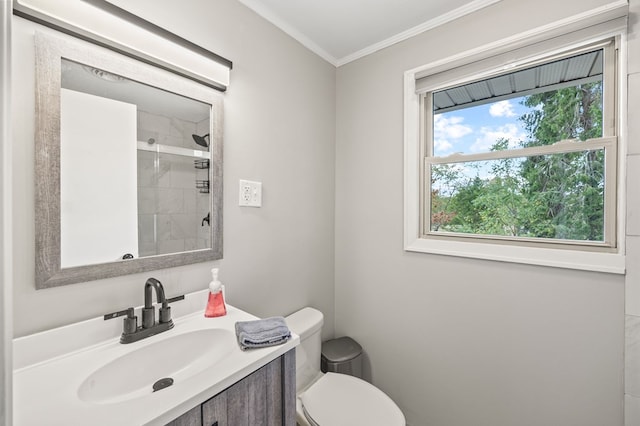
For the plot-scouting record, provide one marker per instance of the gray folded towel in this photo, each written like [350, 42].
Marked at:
[262, 333]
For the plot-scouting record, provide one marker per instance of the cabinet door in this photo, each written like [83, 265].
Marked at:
[273, 391]
[243, 404]
[288, 390]
[192, 417]
[214, 411]
[280, 390]
[247, 400]
[264, 398]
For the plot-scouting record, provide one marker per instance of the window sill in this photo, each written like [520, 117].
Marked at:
[613, 263]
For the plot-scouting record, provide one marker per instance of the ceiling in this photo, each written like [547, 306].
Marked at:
[341, 31]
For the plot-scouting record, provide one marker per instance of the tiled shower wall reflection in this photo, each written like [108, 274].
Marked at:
[632, 280]
[170, 208]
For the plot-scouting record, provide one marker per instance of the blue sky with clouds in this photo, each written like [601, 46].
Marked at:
[476, 129]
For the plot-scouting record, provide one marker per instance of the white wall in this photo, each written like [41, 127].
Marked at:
[279, 129]
[457, 341]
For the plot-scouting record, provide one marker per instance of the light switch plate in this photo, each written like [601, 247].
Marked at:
[250, 193]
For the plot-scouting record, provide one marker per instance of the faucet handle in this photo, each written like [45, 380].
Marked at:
[165, 315]
[130, 322]
[165, 312]
[117, 314]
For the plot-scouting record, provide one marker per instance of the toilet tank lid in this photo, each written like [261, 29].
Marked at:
[305, 322]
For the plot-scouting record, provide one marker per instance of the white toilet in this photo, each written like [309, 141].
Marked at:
[333, 399]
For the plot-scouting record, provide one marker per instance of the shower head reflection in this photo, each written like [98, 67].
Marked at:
[201, 140]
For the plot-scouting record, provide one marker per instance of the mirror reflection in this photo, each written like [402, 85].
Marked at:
[134, 169]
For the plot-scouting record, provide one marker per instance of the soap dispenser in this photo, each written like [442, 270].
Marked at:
[215, 305]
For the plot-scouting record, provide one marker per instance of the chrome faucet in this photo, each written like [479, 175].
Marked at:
[133, 333]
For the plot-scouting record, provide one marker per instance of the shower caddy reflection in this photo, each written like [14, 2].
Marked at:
[202, 185]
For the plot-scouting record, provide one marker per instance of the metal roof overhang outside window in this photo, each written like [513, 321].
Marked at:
[579, 69]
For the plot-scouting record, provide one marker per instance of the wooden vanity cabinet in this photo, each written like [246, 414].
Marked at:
[192, 417]
[266, 397]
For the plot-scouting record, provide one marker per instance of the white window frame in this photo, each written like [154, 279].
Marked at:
[607, 143]
[489, 60]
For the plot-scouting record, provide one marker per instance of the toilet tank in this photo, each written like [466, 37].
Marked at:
[307, 323]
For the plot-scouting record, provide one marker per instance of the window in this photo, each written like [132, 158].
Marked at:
[513, 151]
[527, 155]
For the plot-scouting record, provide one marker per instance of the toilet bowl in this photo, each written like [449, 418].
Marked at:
[333, 399]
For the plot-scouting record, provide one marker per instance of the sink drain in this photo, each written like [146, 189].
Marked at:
[162, 383]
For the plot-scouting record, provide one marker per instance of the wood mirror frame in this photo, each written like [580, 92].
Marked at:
[50, 50]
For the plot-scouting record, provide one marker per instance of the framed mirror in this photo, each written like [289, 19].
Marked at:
[128, 165]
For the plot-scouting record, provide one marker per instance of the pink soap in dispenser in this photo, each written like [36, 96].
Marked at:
[215, 305]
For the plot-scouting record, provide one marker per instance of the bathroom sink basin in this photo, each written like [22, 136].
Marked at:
[178, 357]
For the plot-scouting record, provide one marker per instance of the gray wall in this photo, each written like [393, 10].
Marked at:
[454, 341]
[279, 129]
[458, 341]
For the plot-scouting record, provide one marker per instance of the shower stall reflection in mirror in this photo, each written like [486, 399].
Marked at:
[173, 187]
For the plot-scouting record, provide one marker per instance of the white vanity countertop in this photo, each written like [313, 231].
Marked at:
[50, 367]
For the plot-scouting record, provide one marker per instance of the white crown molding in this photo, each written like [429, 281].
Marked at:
[259, 7]
[419, 29]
